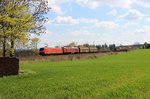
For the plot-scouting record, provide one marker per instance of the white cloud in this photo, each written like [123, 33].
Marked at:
[119, 3]
[49, 33]
[132, 15]
[140, 31]
[57, 9]
[138, 35]
[68, 20]
[147, 19]
[112, 12]
[64, 20]
[93, 4]
[82, 32]
[56, 6]
[145, 29]
[144, 3]
[85, 20]
[106, 25]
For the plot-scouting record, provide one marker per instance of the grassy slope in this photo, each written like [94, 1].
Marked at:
[124, 76]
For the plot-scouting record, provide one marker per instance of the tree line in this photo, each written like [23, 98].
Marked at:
[20, 18]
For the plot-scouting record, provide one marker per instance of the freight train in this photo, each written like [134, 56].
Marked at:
[80, 49]
[67, 50]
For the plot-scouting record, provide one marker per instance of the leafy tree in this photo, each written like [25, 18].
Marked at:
[37, 8]
[146, 45]
[34, 42]
[98, 47]
[86, 45]
[105, 45]
[20, 17]
[15, 22]
[112, 47]
[72, 44]
[22, 43]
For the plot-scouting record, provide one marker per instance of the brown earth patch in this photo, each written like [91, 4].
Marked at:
[9, 66]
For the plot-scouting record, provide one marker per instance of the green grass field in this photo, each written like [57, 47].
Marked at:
[122, 76]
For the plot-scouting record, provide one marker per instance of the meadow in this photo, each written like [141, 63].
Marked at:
[121, 76]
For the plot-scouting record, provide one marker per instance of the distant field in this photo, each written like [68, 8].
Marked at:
[122, 76]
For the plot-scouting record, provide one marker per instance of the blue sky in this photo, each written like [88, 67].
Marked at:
[97, 21]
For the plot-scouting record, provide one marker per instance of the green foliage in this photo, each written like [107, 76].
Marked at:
[22, 42]
[112, 47]
[122, 76]
[19, 18]
[146, 45]
[12, 51]
[15, 22]
[85, 45]
[34, 43]
[72, 44]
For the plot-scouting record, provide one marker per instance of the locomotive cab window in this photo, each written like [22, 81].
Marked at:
[41, 49]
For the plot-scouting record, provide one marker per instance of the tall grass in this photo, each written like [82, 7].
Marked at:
[122, 76]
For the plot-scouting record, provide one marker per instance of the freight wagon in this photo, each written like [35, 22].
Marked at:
[70, 50]
[84, 49]
[93, 50]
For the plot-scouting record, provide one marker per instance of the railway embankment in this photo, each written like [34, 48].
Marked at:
[55, 58]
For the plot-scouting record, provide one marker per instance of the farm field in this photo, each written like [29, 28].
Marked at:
[121, 76]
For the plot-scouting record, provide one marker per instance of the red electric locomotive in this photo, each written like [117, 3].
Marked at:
[47, 51]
